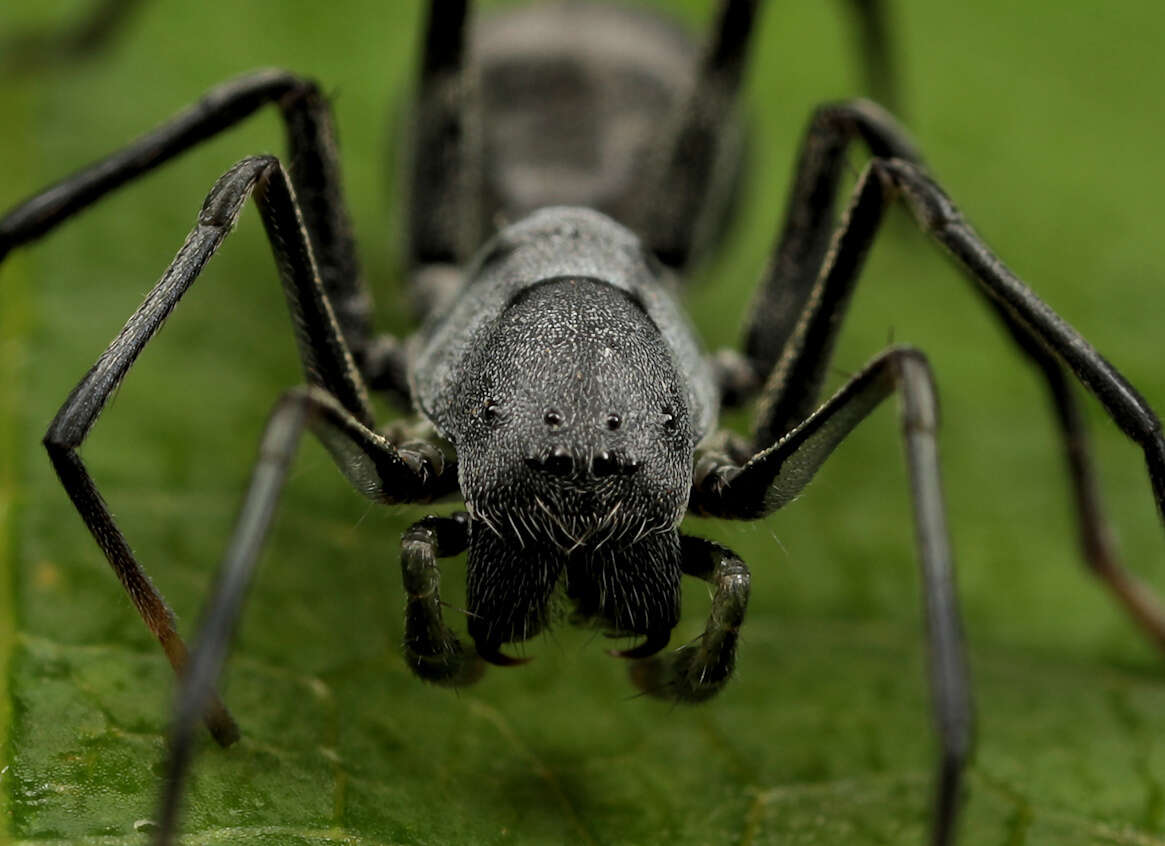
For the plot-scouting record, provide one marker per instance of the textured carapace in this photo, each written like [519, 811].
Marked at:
[571, 386]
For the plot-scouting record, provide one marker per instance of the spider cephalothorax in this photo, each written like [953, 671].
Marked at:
[570, 415]
[573, 429]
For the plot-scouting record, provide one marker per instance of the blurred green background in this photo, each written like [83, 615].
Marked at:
[1044, 122]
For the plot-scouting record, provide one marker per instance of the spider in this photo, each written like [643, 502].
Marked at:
[379, 362]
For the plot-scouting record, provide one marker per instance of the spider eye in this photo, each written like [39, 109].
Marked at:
[492, 413]
[669, 417]
[552, 417]
[614, 421]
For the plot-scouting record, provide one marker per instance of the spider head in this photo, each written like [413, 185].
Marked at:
[575, 462]
[578, 432]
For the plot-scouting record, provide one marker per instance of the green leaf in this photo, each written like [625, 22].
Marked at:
[1044, 124]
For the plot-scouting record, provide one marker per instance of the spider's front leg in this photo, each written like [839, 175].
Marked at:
[373, 464]
[803, 300]
[308, 225]
[413, 472]
[776, 475]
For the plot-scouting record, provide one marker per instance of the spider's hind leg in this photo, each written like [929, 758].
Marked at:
[25, 53]
[873, 33]
[689, 189]
[689, 184]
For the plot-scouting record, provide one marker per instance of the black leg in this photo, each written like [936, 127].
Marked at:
[325, 359]
[446, 220]
[432, 650]
[809, 223]
[872, 29]
[386, 469]
[375, 467]
[698, 671]
[780, 307]
[1042, 334]
[776, 475]
[442, 229]
[314, 167]
[678, 190]
[682, 187]
[197, 684]
[34, 52]
[1096, 541]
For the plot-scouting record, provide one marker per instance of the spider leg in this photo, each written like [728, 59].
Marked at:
[1043, 335]
[1096, 540]
[198, 682]
[29, 52]
[445, 218]
[697, 672]
[326, 362]
[377, 468]
[682, 186]
[676, 194]
[872, 29]
[809, 221]
[439, 231]
[315, 174]
[776, 475]
[431, 649]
